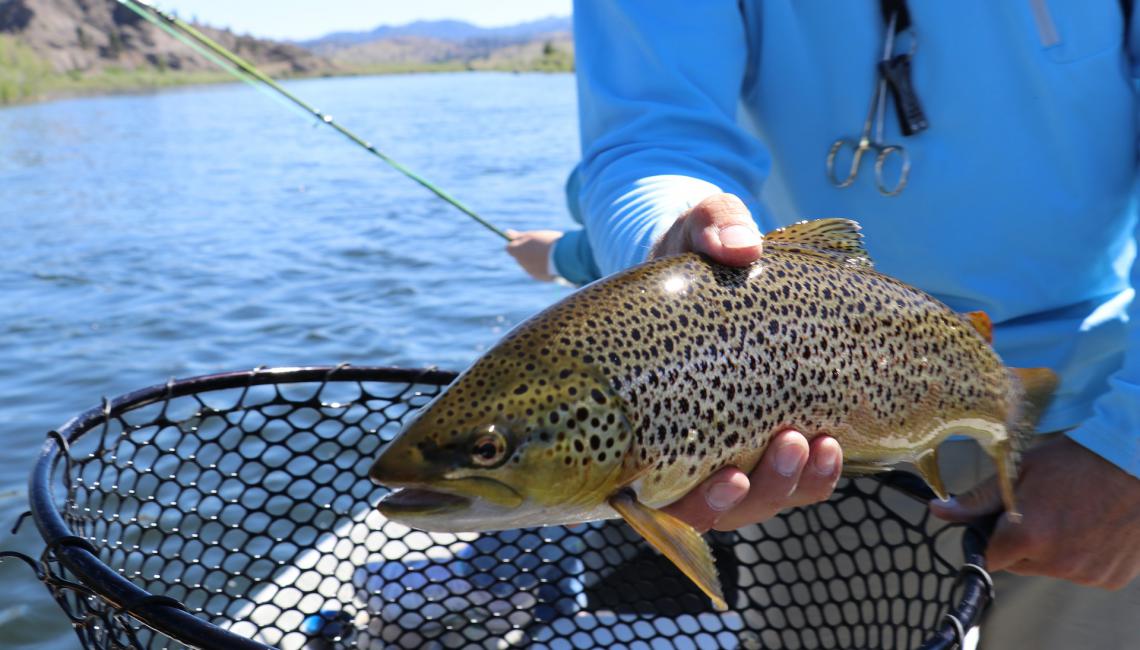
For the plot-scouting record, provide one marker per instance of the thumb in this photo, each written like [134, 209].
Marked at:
[985, 499]
[722, 227]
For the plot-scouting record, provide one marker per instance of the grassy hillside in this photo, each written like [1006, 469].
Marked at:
[55, 48]
[27, 77]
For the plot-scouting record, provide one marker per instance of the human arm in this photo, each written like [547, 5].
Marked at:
[550, 254]
[1080, 492]
[658, 87]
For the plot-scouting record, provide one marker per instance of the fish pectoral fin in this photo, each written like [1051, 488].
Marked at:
[676, 540]
[835, 238]
[981, 322]
[927, 465]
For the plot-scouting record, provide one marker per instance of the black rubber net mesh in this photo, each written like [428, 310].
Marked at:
[250, 507]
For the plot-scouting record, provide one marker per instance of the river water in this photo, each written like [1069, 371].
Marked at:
[207, 229]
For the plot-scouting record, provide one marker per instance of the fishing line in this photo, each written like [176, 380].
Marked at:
[248, 73]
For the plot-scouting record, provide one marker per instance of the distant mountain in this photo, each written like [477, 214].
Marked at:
[76, 36]
[441, 30]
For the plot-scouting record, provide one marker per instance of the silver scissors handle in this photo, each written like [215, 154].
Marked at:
[857, 149]
[885, 152]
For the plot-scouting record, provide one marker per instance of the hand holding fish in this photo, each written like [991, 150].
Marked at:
[1081, 518]
[793, 472]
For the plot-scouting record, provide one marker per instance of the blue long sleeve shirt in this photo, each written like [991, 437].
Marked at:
[1020, 199]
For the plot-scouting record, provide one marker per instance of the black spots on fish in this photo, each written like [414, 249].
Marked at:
[722, 331]
[773, 327]
[595, 442]
[578, 446]
[598, 396]
[683, 320]
[553, 417]
[698, 310]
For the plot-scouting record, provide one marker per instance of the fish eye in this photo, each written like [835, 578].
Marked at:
[489, 449]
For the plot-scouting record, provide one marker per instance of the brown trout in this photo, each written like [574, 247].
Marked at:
[624, 396]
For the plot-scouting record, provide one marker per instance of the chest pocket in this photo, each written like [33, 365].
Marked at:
[1071, 30]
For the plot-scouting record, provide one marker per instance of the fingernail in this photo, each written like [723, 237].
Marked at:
[723, 496]
[739, 236]
[949, 504]
[788, 460]
[825, 461]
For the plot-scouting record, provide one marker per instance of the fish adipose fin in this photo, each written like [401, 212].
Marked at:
[835, 238]
[980, 321]
[676, 540]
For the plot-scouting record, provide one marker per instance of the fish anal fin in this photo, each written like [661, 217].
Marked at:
[676, 540]
[1037, 387]
[834, 238]
[927, 465]
[981, 322]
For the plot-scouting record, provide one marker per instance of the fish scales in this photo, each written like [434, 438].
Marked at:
[627, 394]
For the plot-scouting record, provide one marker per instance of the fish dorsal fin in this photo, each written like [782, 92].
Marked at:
[981, 322]
[834, 238]
[1037, 387]
[676, 540]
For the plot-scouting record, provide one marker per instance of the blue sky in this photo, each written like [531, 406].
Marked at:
[301, 19]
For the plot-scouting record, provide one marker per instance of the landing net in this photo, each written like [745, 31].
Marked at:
[235, 511]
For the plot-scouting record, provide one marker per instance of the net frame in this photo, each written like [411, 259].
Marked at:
[108, 610]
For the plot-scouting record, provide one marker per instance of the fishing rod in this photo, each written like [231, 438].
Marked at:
[247, 72]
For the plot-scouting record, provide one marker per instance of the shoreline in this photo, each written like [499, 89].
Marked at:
[62, 86]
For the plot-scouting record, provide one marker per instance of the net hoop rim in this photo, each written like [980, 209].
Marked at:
[122, 594]
[167, 617]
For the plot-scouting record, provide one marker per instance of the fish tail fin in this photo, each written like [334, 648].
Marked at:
[1036, 387]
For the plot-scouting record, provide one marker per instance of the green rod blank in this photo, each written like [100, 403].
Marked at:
[247, 72]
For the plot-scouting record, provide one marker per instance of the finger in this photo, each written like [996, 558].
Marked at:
[511, 233]
[817, 482]
[773, 481]
[985, 499]
[722, 227]
[1008, 546]
[702, 507]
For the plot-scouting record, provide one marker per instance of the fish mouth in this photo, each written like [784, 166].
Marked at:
[453, 495]
[420, 501]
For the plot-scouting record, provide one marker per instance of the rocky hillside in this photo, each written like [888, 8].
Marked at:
[53, 48]
[544, 44]
[90, 36]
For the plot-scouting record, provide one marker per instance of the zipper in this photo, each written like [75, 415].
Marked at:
[1046, 28]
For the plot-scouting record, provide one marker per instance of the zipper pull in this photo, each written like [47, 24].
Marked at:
[896, 71]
